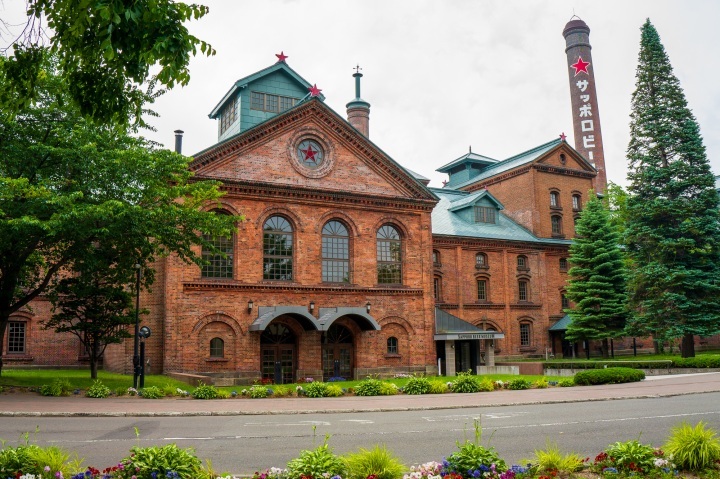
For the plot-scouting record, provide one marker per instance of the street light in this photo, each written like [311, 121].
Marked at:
[136, 347]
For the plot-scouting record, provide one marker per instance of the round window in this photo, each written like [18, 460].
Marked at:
[310, 154]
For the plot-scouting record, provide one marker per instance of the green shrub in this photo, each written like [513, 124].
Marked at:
[632, 456]
[377, 462]
[169, 390]
[388, 389]
[703, 361]
[144, 461]
[519, 383]
[541, 383]
[316, 389]
[334, 391]
[693, 448]
[438, 387]
[152, 392]
[465, 383]
[205, 391]
[471, 458]
[368, 387]
[258, 391]
[98, 390]
[32, 459]
[282, 391]
[223, 394]
[59, 387]
[317, 463]
[608, 376]
[417, 385]
[566, 383]
[551, 459]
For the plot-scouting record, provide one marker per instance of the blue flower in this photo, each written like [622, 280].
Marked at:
[610, 470]
[153, 475]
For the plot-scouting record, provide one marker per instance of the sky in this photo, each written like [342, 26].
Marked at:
[442, 76]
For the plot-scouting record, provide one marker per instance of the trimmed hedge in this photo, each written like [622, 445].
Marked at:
[608, 376]
[703, 361]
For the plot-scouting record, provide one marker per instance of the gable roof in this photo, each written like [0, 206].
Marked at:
[245, 81]
[522, 159]
[470, 157]
[446, 222]
[460, 203]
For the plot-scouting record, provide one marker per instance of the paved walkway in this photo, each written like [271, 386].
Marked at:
[31, 404]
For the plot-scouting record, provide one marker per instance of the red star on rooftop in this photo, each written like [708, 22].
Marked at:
[281, 57]
[581, 66]
[309, 154]
[563, 136]
[314, 90]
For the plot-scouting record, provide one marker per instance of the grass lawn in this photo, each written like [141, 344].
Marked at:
[80, 378]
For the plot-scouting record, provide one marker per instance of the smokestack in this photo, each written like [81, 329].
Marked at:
[358, 110]
[178, 141]
[586, 117]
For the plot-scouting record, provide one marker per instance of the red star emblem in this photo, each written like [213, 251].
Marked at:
[563, 136]
[281, 57]
[581, 66]
[309, 154]
[314, 90]
[444, 183]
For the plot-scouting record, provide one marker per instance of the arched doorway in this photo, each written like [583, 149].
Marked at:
[277, 346]
[337, 352]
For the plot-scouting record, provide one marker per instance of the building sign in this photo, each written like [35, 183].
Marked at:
[460, 336]
[587, 125]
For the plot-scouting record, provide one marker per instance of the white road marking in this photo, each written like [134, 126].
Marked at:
[359, 421]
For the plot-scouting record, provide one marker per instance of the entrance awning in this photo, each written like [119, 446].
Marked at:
[359, 315]
[562, 324]
[267, 313]
[449, 327]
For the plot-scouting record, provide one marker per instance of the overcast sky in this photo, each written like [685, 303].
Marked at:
[444, 75]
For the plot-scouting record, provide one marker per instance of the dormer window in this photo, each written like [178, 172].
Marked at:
[485, 214]
[271, 103]
[229, 115]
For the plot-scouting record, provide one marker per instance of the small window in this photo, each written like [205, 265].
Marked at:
[481, 260]
[554, 199]
[564, 301]
[523, 293]
[576, 203]
[217, 348]
[485, 214]
[556, 224]
[16, 337]
[563, 264]
[522, 263]
[392, 345]
[482, 290]
[563, 159]
[525, 334]
[437, 288]
[228, 115]
[436, 258]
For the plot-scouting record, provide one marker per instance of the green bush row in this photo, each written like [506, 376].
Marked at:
[608, 376]
[704, 361]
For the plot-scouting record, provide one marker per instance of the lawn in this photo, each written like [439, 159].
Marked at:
[80, 378]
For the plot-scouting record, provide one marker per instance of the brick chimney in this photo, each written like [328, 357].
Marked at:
[358, 110]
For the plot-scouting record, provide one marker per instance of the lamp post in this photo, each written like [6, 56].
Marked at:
[136, 346]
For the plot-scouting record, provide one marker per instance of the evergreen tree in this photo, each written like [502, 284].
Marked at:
[673, 231]
[597, 279]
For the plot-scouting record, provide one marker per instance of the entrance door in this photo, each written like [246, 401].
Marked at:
[337, 351]
[466, 356]
[277, 347]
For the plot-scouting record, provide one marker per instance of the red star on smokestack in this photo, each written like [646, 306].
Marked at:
[581, 66]
[281, 57]
[314, 90]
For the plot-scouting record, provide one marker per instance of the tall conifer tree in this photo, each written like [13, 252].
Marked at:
[597, 279]
[673, 232]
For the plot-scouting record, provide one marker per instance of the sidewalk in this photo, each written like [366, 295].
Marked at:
[31, 404]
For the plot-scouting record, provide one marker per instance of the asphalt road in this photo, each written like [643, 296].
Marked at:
[244, 444]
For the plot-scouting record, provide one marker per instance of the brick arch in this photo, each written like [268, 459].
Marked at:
[221, 205]
[488, 322]
[392, 220]
[279, 211]
[220, 317]
[526, 319]
[402, 322]
[340, 216]
[28, 315]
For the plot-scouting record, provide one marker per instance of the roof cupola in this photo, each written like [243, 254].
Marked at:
[358, 110]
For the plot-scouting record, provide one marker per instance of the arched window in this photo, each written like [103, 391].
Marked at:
[335, 253]
[525, 334]
[437, 288]
[482, 289]
[576, 202]
[389, 259]
[522, 263]
[217, 348]
[556, 224]
[481, 261]
[217, 257]
[523, 290]
[277, 249]
[563, 264]
[554, 199]
[564, 301]
[392, 345]
[436, 257]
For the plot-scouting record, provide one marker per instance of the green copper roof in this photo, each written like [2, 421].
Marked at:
[449, 219]
[561, 325]
[470, 157]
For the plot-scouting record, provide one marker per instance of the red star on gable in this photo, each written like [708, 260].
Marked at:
[314, 90]
[309, 154]
[281, 57]
[563, 136]
[581, 66]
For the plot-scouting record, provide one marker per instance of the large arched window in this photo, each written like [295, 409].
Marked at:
[217, 348]
[277, 249]
[389, 259]
[335, 253]
[217, 257]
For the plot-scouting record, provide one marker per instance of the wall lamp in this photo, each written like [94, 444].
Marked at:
[367, 307]
[312, 306]
[250, 306]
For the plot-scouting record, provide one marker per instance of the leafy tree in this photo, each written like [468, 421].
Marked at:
[106, 51]
[597, 279]
[68, 186]
[673, 230]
